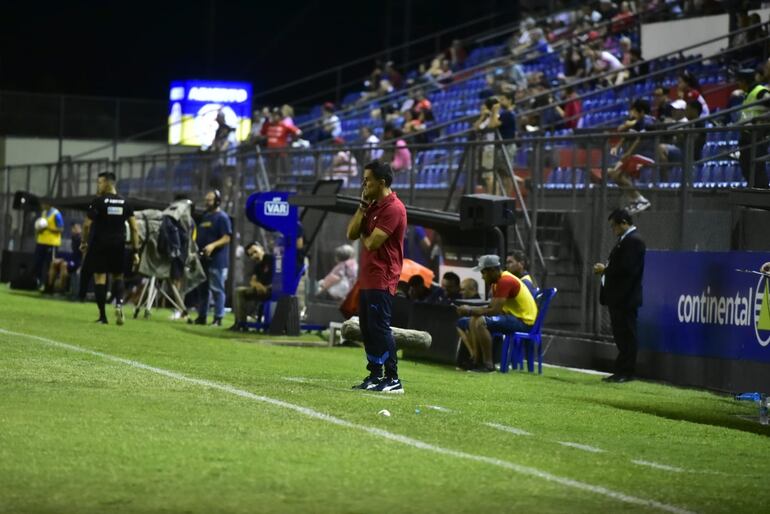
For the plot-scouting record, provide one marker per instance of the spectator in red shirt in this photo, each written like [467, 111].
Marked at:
[278, 131]
[572, 108]
[380, 224]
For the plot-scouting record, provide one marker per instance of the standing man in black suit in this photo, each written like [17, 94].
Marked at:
[621, 291]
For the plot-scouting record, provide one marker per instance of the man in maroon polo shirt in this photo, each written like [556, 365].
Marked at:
[380, 224]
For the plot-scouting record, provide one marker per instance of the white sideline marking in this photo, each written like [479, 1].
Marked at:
[402, 439]
[579, 370]
[301, 380]
[583, 447]
[657, 466]
[438, 408]
[510, 430]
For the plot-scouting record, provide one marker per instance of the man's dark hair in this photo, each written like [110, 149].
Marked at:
[636, 52]
[619, 216]
[689, 79]
[416, 281]
[107, 175]
[253, 243]
[381, 171]
[696, 106]
[453, 277]
[520, 256]
[641, 105]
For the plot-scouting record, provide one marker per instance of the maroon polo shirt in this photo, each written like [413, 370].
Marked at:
[381, 268]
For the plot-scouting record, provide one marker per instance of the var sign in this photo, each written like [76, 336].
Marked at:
[276, 207]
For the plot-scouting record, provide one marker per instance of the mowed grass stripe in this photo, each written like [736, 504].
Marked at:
[378, 432]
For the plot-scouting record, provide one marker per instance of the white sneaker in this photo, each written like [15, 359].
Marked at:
[638, 206]
[119, 319]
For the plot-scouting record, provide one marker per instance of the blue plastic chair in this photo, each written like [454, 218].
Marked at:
[512, 342]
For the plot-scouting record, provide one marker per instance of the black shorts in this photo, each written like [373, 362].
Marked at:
[107, 258]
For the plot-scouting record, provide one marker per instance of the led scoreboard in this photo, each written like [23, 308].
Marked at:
[194, 105]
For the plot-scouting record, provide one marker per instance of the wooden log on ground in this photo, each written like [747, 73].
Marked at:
[405, 338]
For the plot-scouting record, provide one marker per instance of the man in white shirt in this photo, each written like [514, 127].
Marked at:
[371, 141]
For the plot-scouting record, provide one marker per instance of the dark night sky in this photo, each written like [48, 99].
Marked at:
[134, 49]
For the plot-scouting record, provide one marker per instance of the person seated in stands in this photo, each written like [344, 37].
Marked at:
[260, 284]
[512, 309]
[516, 263]
[456, 54]
[338, 283]
[450, 283]
[61, 269]
[469, 289]
[331, 126]
[639, 154]
[401, 159]
[570, 111]
[344, 165]
[673, 152]
[419, 292]
[688, 89]
[370, 140]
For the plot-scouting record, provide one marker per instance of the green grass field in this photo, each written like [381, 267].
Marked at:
[159, 416]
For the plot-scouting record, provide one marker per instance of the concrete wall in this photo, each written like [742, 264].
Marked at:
[30, 150]
[663, 37]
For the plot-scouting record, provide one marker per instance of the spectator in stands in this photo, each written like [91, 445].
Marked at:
[331, 126]
[401, 156]
[659, 100]
[688, 89]
[224, 137]
[258, 120]
[637, 67]
[456, 54]
[414, 126]
[434, 71]
[512, 309]
[576, 66]
[344, 165]
[516, 263]
[756, 110]
[278, 134]
[607, 9]
[339, 281]
[571, 110]
[604, 62]
[62, 267]
[278, 131]
[639, 154]
[48, 231]
[419, 292]
[623, 21]
[445, 75]
[673, 153]
[370, 140]
[625, 51]
[469, 289]
[260, 284]
[287, 111]
[490, 109]
[393, 76]
[450, 283]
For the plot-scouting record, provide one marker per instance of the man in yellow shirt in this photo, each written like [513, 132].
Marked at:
[48, 239]
[512, 309]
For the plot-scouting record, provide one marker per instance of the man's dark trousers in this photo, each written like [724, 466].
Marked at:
[374, 311]
[623, 322]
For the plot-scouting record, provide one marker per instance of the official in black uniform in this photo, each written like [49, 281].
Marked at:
[105, 228]
[621, 291]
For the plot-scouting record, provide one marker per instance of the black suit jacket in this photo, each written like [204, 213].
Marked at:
[622, 287]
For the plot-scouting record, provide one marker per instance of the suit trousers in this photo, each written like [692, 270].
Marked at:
[623, 322]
